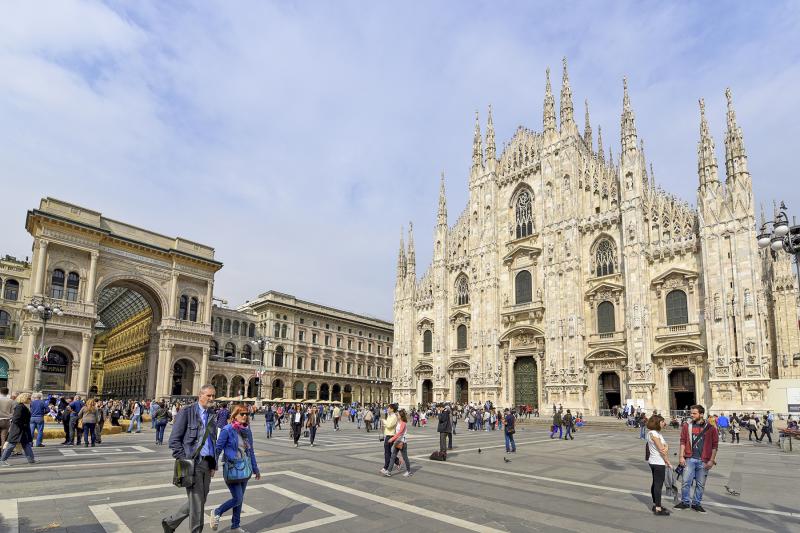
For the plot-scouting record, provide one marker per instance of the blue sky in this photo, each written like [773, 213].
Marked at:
[296, 137]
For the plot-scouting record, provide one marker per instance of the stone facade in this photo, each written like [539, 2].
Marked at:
[573, 278]
[15, 276]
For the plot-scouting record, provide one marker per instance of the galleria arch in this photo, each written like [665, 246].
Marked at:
[153, 289]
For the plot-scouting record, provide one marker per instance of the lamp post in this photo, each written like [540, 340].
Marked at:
[45, 311]
[263, 344]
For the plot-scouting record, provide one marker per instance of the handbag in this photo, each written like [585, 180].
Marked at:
[183, 472]
[237, 470]
[305, 434]
[399, 445]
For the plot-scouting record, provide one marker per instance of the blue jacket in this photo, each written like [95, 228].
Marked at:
[187, 432]
[39, 408]
[228, 443]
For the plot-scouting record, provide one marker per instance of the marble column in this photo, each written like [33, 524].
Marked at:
[164, 362]
[29, 345]
[209, 301]
[173, 296]
[92, 279]
[203, 368]
[41, 265]
[85, 363]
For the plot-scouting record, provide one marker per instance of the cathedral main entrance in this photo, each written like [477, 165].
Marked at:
[427, 392]
[462, 391]
[526, 382]
[610, 392]
[681, 389]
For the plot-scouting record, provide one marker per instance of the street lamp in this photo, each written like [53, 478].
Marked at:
[263, 344]
[45, 311]
[778, 235]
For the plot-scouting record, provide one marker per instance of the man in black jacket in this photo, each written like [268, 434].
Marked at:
[444, 428]
[188, 430]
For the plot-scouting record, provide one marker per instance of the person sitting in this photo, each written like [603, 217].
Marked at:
[673, 423]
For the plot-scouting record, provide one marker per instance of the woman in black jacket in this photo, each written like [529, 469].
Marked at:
[20, 431]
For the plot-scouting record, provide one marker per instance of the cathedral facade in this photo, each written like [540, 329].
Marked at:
[571, 278]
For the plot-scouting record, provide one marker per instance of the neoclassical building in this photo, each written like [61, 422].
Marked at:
[136, 307]
[573, 278]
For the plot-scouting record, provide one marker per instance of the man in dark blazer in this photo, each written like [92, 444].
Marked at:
[444, 427]
[298, 418]
[186, 437]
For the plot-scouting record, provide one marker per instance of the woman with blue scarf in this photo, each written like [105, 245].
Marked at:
[235, 442]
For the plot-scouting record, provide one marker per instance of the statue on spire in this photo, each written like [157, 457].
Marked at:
[549, 118]
[587, 127]
[442, 215]
[477, 146]
[600, 153]
[628, 123]
[491, 150]
[735, 155]
[567, 111]
[706, 158]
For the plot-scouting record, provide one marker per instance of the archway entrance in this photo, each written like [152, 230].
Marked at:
[324, 392]
[526, 382]
[427, 392]
[298, 390]
[56, 370]
[609, 390]
[277, 389]
[347, 397]
[220, 383]
[182, 378]
[336, 394]
[312, 391]
[237, 386]
[462, 390]
[681, 389]
[126, 333]
[252, 387]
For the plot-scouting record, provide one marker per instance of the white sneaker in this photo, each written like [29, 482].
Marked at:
[5, 463]
[387, 474]
[408, 474]
[214, 520]
[383, 470]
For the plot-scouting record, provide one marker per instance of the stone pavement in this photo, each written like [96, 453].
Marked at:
[599, 482]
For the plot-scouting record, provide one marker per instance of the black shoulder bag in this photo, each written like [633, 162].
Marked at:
[183, 474]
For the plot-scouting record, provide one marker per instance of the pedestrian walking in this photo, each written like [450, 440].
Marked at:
[400, 445]
[389, 430]
[312, 423]
[136, 417]
[337, 413]
[752, 427]
[19, 432]
[162, 417]
[368, 419]
[723, 426]
[735, 426]
[556, 425]
[297, 423]
[269, 420]
[698, 453]
[235, 443]
[194, 436]
[6, 412]
[657, 456]
[38, 411]
[510, 430]
[569, 425]
[154, 407]
[88, 417]
[766, 429]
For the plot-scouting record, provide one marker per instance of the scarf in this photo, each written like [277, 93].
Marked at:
[238, 426]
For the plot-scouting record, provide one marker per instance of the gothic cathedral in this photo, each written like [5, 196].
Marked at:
[573, 279]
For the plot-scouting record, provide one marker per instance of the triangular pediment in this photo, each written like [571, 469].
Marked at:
[605, 286]
[522, 250]
[606, 355]
[674, 272]
[460, 314]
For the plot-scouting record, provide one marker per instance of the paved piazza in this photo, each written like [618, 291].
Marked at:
[599, 482]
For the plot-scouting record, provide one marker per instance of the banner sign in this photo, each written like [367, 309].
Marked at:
[793, 399]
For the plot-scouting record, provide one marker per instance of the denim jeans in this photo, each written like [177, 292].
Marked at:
[403, 453]
[511, 446]
[88, 429]
[560, 434]
[695, 471]
[235, 503]
[270, 426]
[73, 429]
[9, 448]
[135, 419]
[37, 422]
[568, 432]
[642, 430]
[160, 427]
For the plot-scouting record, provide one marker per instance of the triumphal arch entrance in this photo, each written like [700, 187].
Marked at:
[136, 306]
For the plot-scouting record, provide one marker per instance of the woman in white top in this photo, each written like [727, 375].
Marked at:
[658, 458]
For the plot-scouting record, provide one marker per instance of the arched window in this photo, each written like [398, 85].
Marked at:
[227, 328]
[605, 318]
[193, 309]
[462, 291]
[73, 282]
[214, 348]
[461, 337]
[183, 308]
[605, 258]
[235, 327]
[218, 325]
[283, 331]
[279, 356]
[57, 284]
[677, 309]
[524, 214]
[522, 287]
[230, 351]
[12, 290]
[427, 341]
[252, 332]
[5, 325]
[298, 390]
[247, 352]
[276, 330]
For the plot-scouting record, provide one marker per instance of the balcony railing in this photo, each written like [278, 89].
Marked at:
[678, 330]
[607, 337]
